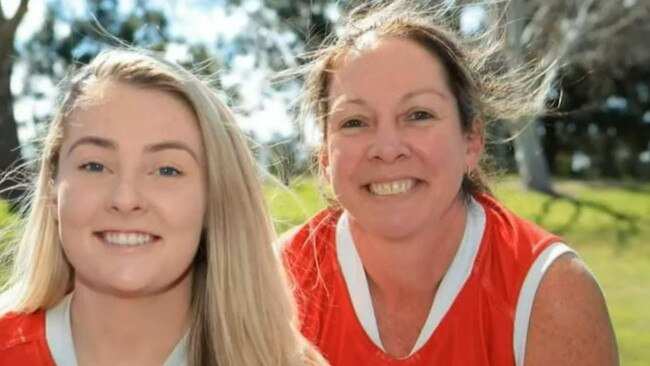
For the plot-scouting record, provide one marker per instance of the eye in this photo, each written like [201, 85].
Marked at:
[92, 167]
[352, 123]
[169, 171]
[419, 116]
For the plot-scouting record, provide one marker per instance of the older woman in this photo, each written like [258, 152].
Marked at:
[417, 264]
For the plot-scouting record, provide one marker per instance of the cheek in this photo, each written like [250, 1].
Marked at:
[345, 154]
[184, 210]
[442, 150]
[344, 158]
[77, 203]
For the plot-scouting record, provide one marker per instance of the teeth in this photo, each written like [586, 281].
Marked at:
[127, 238]
[390, 188]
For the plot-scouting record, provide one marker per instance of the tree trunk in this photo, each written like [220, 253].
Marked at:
[531, 161]
[9, 146]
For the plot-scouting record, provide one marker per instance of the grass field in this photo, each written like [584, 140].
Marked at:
[609, 225]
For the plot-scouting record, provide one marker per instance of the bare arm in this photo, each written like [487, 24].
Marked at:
[569, 323]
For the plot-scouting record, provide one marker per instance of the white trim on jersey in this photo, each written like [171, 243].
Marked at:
[450, 286]
[58, 334]
[527, 295]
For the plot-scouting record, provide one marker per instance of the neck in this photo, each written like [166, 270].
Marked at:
[144, 329]
[396, 267]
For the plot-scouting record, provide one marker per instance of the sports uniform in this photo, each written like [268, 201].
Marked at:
[44, 338]
[480, 312]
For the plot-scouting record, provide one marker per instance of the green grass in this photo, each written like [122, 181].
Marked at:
[610, 229]
[292, 206]
[7, 234]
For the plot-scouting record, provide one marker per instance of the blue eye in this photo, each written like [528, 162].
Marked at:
[168, 171]
[419, 116]
[92, 167]
[352, 123]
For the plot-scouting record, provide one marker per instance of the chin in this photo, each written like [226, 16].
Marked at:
[394, 230]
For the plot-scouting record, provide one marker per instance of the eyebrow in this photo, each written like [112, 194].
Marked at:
[345, 101]
[171, 145]
[409, 95]
[94, 141]
[153, 148]
[415, 93]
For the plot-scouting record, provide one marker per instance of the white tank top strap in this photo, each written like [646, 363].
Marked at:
[527, 296]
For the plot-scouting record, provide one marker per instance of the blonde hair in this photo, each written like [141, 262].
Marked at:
[487, 87]
[241, 303]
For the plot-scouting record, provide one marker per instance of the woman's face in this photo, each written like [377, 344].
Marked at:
[395, 145]
[130, 191]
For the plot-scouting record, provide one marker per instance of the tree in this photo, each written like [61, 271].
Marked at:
[562, 33]
[9, 145]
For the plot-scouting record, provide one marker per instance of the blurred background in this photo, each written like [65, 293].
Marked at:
[582, 171]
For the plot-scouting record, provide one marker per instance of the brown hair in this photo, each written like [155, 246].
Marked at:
[486, 86]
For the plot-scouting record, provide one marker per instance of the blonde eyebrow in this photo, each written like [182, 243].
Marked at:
[93, 141]
[171, 145]
[153, 148]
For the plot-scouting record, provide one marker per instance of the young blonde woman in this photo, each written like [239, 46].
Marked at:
[147, 238]
[417, 263]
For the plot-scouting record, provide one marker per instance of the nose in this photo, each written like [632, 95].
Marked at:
[388, 144]
[126, 196]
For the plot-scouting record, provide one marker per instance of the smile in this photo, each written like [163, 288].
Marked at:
[391, 188]
[126, 238]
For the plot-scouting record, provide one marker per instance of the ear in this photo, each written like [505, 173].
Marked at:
[323, 162]
[475, 138]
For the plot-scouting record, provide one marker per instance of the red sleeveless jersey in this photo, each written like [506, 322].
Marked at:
[22, 340]
[476, 330]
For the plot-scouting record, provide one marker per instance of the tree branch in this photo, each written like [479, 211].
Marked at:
[8, 30]
[18, 16]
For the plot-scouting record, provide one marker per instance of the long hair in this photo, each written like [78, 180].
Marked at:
[487, 87]
[242, 312]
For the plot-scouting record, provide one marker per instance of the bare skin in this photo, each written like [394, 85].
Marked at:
[401, 299]
[144, 330]
[569, 323]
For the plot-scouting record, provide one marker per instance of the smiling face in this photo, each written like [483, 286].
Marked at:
[130, 191]
[394, 141]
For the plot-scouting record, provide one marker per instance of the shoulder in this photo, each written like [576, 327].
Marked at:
[569, 323]
[512, 240]
[18, 328]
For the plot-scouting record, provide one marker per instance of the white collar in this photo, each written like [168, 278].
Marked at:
[450, 286]
[58, 333]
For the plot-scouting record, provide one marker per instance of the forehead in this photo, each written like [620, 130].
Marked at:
[132, 114]
[388, 65]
